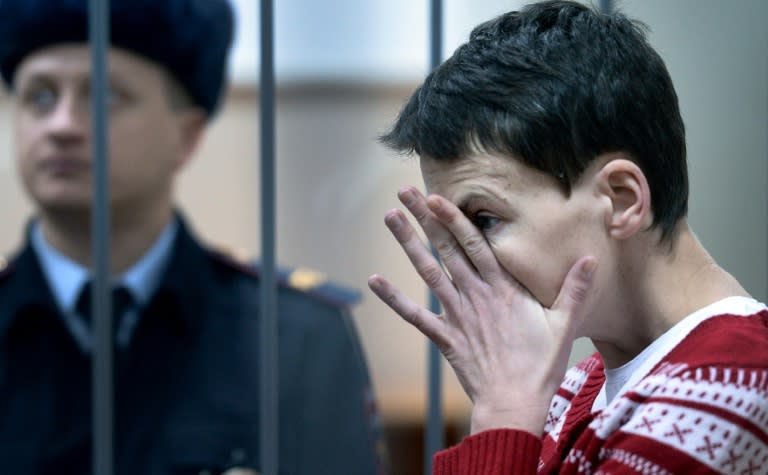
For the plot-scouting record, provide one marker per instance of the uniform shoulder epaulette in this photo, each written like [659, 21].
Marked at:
[302, 279]
[314, 283]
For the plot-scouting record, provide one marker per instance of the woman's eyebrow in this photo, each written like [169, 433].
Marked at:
[471, 200]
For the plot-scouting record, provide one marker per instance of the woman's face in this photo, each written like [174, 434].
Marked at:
[535, 231]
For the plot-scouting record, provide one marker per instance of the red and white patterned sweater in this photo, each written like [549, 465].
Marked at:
[703, 408]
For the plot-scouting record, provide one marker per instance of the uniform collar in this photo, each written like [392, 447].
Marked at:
[181, 292]
[66, 277]
[143, 277]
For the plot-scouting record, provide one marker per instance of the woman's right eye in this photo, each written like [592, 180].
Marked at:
[485, 222]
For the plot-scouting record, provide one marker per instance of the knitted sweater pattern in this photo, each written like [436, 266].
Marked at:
[702, 409]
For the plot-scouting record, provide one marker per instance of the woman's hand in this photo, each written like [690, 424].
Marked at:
[508, 352]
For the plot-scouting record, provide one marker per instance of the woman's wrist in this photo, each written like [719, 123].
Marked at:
[529, 418]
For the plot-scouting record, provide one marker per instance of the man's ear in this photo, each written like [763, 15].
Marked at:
[625, 185]
[192, 123]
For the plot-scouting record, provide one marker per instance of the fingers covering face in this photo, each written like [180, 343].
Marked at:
[420, 256]
[427, 322]
[467, 241]
[462, 248]
[447, 229]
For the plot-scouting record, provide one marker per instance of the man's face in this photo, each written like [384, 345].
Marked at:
[533, 229]
[147, 138]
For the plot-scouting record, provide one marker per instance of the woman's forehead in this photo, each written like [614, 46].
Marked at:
[480, 168]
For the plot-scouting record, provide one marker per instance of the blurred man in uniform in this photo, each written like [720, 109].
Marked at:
[186, 318]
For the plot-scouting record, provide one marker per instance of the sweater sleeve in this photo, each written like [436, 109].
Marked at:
[492, 452]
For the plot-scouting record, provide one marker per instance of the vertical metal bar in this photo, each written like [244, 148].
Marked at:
[102, 390]
[268, 323]
[434, 433]
[606, 6]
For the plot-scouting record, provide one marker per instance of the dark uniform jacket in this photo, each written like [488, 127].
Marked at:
[187, 387]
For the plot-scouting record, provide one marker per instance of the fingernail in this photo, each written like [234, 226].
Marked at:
[434, 203]
[406, 196]
[589, 268]
[393, 220]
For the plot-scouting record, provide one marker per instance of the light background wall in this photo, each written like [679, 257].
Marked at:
[345, 70]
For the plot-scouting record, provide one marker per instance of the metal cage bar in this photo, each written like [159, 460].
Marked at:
[606, 6]
[102, 368]
[268, 305]
[434, 439]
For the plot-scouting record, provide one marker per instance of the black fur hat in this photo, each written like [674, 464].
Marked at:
[190, 38]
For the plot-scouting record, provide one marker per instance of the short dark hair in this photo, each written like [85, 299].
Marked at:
[555, 85]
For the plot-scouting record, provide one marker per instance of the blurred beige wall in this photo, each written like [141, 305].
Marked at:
[335, 182]
[334, 185]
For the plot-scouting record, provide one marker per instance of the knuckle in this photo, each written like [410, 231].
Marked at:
[445, 346]
[432, 276]
[446, 249]
[579, 293]
[444, 341]
[421, 215]
[472, 244]
[449, 217]
[412, 316]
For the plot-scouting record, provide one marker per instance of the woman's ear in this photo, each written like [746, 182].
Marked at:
[625, 185]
